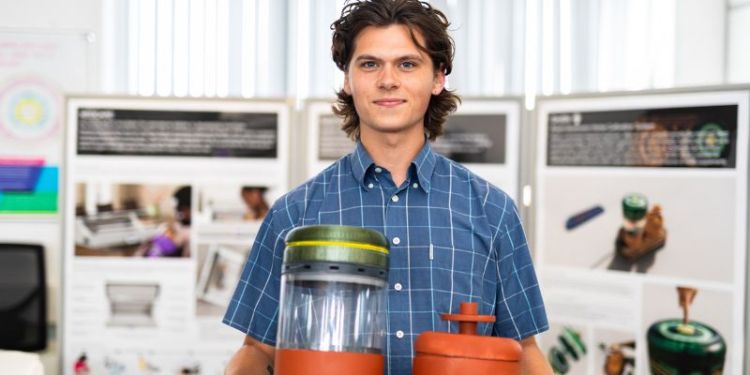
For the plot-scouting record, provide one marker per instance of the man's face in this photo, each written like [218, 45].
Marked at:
[391, 80]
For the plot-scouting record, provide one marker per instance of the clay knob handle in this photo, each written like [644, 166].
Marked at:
[468, 318]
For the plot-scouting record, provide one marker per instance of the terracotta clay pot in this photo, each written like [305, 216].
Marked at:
[439, 353]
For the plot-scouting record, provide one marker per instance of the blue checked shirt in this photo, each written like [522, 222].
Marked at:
[454, 238]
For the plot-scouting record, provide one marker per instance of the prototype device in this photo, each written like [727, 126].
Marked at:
[131, 304]
[112, 229]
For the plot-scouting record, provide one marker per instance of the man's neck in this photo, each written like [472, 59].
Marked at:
[394, 152]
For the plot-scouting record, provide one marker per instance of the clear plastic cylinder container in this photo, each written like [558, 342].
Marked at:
[332, 312]
[333, 290]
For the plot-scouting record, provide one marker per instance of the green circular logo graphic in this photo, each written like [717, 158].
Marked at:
[711, 140]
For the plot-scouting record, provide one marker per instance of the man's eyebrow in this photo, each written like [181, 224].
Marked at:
[367, 57]
[411, 57]
[400, 58]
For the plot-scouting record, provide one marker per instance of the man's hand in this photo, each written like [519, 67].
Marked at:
[253, 358]
[532, 359]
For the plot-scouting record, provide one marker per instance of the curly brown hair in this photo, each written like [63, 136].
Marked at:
[414, 14]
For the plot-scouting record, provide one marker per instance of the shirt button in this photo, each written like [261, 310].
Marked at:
[394, 198]
[396, 240]
[398, 286]
[370, 185]
[378, 170]
[415, 185]
[400, 334]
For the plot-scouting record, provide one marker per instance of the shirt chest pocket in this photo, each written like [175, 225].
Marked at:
[456, 270]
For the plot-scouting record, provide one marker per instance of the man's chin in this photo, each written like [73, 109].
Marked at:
[391, 129]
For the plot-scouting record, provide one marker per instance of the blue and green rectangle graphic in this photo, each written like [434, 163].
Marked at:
[28, 187]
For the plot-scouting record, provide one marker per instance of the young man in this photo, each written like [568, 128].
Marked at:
[453, 236]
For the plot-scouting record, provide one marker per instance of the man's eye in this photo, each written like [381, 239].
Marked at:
[368, 64]
[408, 64]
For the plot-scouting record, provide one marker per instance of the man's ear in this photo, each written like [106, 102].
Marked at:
[438, 83]
[347, 88]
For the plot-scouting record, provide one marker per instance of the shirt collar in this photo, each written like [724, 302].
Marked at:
[423, 163]
[361, 162]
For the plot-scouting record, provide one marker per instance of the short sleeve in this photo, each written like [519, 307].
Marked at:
[255, 303]
[519, 310]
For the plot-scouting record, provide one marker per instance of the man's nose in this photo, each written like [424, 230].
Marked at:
[388, 79]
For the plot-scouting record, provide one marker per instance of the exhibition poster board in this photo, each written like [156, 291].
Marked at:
[163, 198]
[483, 135]
[637, 195]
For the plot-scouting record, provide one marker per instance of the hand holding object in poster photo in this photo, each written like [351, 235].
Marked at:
[133, 220]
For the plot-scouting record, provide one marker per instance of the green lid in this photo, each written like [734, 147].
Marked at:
[634, 206]
[336, 243]
[673, 351]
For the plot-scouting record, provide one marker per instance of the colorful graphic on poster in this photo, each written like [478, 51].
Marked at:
[30, 116]
[27, 186]
[30, 109]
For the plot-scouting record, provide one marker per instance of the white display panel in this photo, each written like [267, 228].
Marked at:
[610, 280]
[483, 135]
[163, 198]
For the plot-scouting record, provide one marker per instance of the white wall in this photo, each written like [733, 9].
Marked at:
[738, 44]
[699, 48]
[50, 14]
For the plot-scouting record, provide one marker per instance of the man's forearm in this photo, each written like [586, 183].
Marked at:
[533, 361]
[250, 360]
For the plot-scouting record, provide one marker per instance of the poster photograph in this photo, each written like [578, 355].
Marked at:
[587, 221]
[231, 212]
[613, 352]
[141, 307]
[219, 268]
[635, 192]
[133, 220]
[685, 315]
[568, 348]
[474, 138]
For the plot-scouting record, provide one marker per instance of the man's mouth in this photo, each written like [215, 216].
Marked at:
[389, 102]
